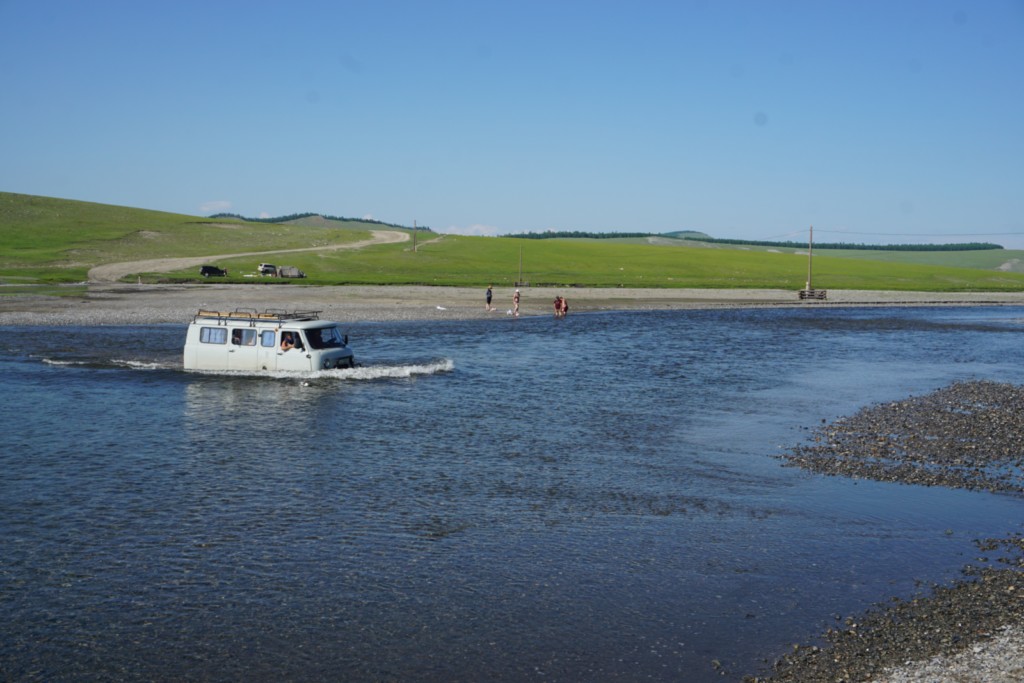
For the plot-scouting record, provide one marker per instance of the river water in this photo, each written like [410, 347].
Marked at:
[594, 498]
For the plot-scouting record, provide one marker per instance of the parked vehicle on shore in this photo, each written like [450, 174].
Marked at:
[212, 271]
[245, 340]
[270, 270]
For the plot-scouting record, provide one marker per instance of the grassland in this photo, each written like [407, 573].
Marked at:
[1005, 260]
[474, 261]
[46, 240]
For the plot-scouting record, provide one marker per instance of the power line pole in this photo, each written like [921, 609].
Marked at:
[810, 251]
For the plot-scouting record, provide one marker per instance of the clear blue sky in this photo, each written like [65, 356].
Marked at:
[873, 120]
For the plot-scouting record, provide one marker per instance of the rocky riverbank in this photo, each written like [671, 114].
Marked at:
[970, 632]
[968, 435]
[128, 304]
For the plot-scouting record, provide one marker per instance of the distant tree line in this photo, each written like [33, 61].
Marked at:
[298, 216]
[963, 246]
[552, 234]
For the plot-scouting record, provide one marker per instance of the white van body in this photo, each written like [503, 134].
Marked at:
[251, 341]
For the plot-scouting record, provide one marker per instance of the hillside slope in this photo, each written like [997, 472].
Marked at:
[45, 240]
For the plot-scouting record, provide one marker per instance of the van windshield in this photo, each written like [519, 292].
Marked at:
[325, 338]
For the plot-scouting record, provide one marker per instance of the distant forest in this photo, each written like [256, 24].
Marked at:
[699, 237]
[552, 234]
[963, 246]
[298, 216]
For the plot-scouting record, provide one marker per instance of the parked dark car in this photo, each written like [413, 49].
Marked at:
[207, 271]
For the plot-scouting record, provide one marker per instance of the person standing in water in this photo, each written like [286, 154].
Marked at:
[488, 297]
[515, 304]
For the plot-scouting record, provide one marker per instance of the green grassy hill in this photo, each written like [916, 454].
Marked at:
[57, 240]
[473, 261]
[44, 240]
[1004, 260]
[687, 234]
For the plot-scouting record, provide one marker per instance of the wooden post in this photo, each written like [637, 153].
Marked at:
[414, 235]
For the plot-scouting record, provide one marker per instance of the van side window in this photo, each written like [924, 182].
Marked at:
[267, 338]
[243, 337]
[213, 335]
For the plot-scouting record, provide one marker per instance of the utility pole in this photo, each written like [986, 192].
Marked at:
[414, 235]
[810, 251]
[809, 292]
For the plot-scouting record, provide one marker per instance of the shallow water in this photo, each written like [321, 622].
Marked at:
[587, 499]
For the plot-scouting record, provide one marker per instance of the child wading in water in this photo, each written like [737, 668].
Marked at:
[561, 307]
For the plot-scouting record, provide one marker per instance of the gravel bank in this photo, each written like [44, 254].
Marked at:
[970, 632]
[967, 435]
[126, 304]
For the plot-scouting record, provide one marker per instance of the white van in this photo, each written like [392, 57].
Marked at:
[273, 340]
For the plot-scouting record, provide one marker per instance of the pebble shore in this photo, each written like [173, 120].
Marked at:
[131, 304]
[968, 435]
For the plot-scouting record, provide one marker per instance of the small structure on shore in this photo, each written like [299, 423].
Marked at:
[809, 292]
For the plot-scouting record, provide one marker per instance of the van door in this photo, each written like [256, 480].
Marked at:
[242, 349]
[296, 358]
[267, 349]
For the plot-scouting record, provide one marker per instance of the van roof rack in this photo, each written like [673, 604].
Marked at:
[269, 315]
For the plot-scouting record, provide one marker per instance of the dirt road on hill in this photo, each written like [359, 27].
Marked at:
[112, 272]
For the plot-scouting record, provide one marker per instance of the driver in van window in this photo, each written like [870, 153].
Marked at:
[287, 341]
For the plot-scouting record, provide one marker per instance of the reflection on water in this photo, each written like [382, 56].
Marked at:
[589, 498]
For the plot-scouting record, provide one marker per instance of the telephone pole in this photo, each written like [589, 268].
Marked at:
[810, 251]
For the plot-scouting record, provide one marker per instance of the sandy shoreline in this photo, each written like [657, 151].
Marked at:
[127, 304]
